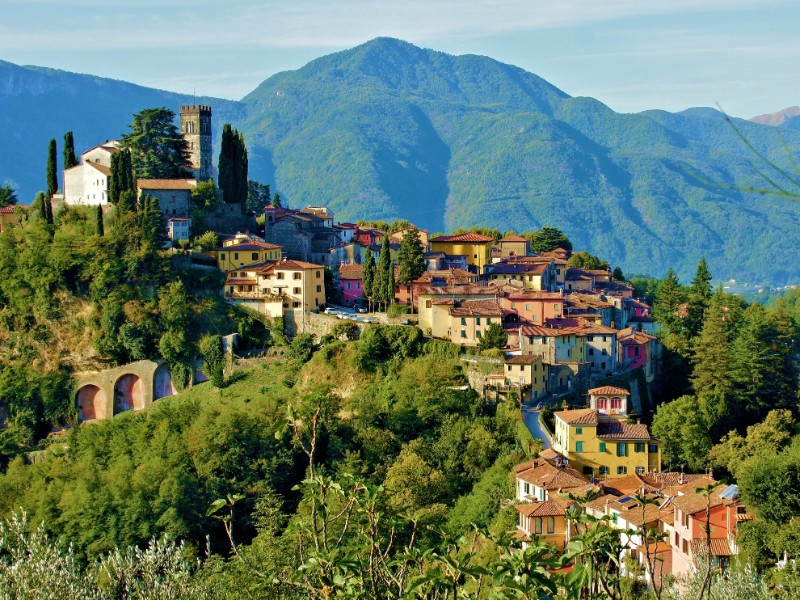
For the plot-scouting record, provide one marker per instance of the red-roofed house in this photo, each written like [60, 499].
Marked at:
[351, 283]
[477, 248]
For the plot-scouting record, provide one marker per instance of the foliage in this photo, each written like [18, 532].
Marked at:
[206, 242]
[368, 276]
[8, 196]
[70, 160]
[52, 169]
[158, 150]
[302, 347]
[410, 257]
[494, 337]
[584, 260]
[346, 329]
[547, 239]
[384, 274]
[233, 167]
[210, 348]
[258, 196]
[685, 439]
[205, 194]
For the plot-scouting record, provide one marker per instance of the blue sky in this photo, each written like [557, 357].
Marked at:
[630, 54]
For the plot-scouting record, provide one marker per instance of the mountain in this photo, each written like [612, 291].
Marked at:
[778, 118]
[39, 104]
[389, 130]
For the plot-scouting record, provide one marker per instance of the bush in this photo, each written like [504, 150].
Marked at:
[346, 329]
[397, 310]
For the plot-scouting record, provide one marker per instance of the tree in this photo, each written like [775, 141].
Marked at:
[698, 299]
[584, 260]
[276, 200]
[380, 289]
[494, 337]
[52, 169]
[548, 239]
[8, 195]
[205, 194]
[617, 275]
[233, 166]
[258, 196]
[99, 220]
[158, 150]
[70, 160]
[207, 242]
[669, 296]
[410, 257]
[210, 348]
[368, 275]
[683, 432]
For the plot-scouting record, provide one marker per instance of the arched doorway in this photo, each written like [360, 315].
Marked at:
[162, 383]
[91, 401]
[128, 393]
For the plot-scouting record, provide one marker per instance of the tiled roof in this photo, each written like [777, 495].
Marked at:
[608, 390]
[719, 547]
[251, 245]
[177, 220]
[288, 265]
[233, 281]
[477, 308]
[547, 476]
[459, 291]
[166, 184]
[523, 359]
[468, 237]
[102, 168]
[692, 502]
[586, 416]
[7, 210]
[539, 331]
[548, 508]
[513, 238]
[353, 271]
[516, 268]
[448, 274]
[522, 295]
[622, 431]
[630, 484]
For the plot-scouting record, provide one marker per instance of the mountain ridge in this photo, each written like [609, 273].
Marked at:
[389, 130]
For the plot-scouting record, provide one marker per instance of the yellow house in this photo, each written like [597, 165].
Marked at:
[250, 252]
[477, 248]
[528, 373]
[600, 441]
[533, 276]
[434, 303]
[298, 285]
[469, 320]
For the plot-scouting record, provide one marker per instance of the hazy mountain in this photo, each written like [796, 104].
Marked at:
[778, 118]
[389, 130]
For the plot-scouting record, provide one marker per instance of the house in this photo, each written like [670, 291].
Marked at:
[409, 292]
[87, 182]
[351, 283]
[439, 261]
[543, 485]
[305, 235]
[434, 302]
[272, 288]
[477, 248]
[601, 441]
[235, 254]
[556, 345]
[470, 319]
[526, 373]
[601, 346]
[178, 228]
[534, 276]
[590, 305]
[531, 306]
[636, 349]
[9, 216]
[513, 245]
[368, 236]
[689, 539]
[174, 195]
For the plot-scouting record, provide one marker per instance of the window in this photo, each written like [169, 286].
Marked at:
[638, 447]
[578, 446]
[348, 285]
[601, 403]
[478, 321]
[603, 470]
[296, 290]
[537, 525]
[527, 306]
[222, 256]
[603, 364]
[527, 487]
[488, 320]
[556, 307]
[463, 333]
[319, 288]
[616, 403]
[235, 256]
[587, 471]
[640, 470]
[591, 351]
[295, 305]
[685, 546]
[578, 430]
[653, 448]
[602, 446]
[297, 275]
[318, 274]
[551, 525]
[521, 368]
[254, 256]
[622, 449]
[279, 275]
[428, 303]
[622, 470]
[463, 321]
[478, 333]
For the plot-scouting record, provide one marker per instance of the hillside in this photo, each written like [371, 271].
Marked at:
[388, 130]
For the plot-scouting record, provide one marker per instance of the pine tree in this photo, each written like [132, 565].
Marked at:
[698, 299]
[410, 257]
[276, 200]
[380, 288]
[618, 275]
[711, 376]
[52, 169]
[368, 275]
[158, 149]
[70, 160]
[99, 221]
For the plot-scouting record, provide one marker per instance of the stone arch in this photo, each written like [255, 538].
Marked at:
[162, 382]
[128, 393]
[91, 401]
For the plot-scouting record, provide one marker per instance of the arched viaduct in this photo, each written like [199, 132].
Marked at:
[135, 386]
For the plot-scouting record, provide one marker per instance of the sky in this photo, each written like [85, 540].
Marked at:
[632, 55]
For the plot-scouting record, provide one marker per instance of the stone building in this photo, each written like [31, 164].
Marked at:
[196, 129]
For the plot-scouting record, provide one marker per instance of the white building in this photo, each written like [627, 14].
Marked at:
[87, 183]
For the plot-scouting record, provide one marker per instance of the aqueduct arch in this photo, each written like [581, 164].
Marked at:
[129, 393]
[162, 382]
[91, 402]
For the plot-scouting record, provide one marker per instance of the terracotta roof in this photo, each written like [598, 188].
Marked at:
[463, 237]
[539, 331]
[608, 390]
[513, 238]
[630, 484]
[102, 168]
[459, 291]
[548, 508]
[178, 219]
[477, 308]
[545, 475]
[249, 245]
[692, 502]
[719, 547]
[523, 359]
[549, 454]
[622, 431]
[288, 265]
[587, 416]
[233, 281]
[166, 184]
[506, 268]
[353, 271]
[7, 209]
[516, 294]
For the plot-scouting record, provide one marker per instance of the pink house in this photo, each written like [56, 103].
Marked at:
[350, 283]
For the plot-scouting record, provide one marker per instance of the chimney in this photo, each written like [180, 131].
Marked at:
[682, 479]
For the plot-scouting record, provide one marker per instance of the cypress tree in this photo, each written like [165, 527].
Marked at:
[233, 165]
[114, 179]
[39, 202]
[52, 169]
[241, 174]
[390, 285]
[368, 275]
[225, 163]
[70, 160]
[127, 202]
[410, 257]
[380, 287]
[127, 180]
[99, 221]
[699, 297]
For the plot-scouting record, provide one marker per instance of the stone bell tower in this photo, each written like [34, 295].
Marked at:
[196, 129]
